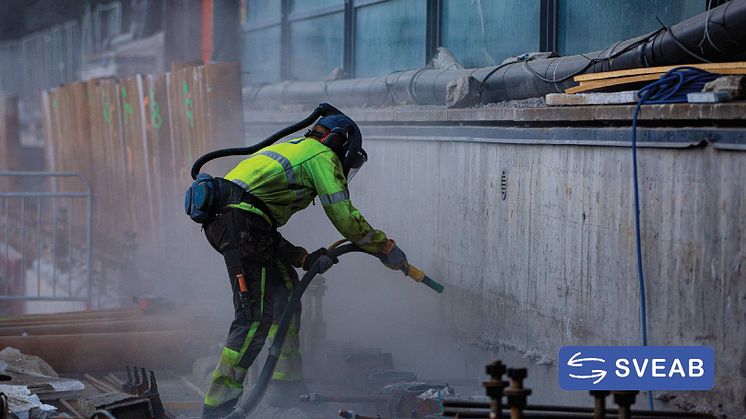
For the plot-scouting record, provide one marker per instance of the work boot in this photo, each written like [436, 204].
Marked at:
[217, 412]
[285, 394]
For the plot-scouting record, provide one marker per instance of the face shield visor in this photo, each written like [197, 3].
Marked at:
[354, 160]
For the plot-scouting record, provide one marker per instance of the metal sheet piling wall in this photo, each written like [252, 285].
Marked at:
[136, 139]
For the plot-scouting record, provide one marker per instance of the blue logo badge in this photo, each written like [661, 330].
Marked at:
[636, 368]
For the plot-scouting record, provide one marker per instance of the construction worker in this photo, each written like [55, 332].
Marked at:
[277, 182]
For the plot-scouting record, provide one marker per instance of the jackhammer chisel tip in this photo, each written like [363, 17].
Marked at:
[434, 285]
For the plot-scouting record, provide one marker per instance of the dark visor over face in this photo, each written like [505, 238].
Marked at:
[354, 162]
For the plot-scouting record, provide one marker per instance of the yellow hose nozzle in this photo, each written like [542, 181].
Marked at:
[420, 276]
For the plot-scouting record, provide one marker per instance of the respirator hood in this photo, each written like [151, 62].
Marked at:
[345, 140]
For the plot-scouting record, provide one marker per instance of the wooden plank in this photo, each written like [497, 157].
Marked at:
[99, 156]
[114, 313]
[619, 81]
[114, 379]
[155, 104]
[183, 405]
[714, 67]
[117, 215]
[47, 129]
[100, 384]
[77, 142]
[81, 128]
[107, 351]
[70, 409]
[224, 110]
[180, 132]
[56, 123]
[192, 386]
[103, 163]
[614, 98]
[98, 326]
[10, 144]
[137, 176]
[68, 140]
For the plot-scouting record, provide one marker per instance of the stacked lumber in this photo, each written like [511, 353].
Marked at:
[10, 146]
[626, 79]
[105, 340]
[135, 140]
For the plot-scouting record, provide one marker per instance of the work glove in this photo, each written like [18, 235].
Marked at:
[395, 259]
[325, 260]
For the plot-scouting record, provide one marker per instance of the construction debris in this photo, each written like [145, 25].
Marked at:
[16, 361]
[36, 376]
[636, 76]
[23, 404]
[140, 400]
[708, 97]
[613, 98]
[462, 92]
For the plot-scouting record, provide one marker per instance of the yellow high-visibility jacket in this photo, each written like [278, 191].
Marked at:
[288, 176]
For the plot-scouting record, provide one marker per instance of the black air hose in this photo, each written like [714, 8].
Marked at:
[247, 404]
[324, 109]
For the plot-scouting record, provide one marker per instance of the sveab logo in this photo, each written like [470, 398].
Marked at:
[636, 368]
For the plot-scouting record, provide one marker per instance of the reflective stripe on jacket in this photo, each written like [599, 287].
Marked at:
[288, 176]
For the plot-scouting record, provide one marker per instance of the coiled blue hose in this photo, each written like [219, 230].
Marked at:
[671, 87]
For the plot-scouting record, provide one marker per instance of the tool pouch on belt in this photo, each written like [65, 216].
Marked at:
[201, 199]
[207, 195]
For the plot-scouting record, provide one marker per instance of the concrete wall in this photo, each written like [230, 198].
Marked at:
[552, 264]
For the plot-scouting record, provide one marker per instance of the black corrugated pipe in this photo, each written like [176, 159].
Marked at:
[684, 43]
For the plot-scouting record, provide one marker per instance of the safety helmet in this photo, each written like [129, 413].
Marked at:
[346, 141]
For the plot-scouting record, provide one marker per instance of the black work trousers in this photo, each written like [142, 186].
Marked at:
[253, 249]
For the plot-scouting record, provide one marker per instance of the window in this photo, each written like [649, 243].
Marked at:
[389, 36]
[483, 33]
[306, 5]
[307, 39]
[260, 56]
[316, 46]
[260, 42]
[258, 10]
[316, 38]
[592, 25]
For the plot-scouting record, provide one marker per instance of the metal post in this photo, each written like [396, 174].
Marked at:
[7, 245]
[54, 248]
[433, 34]
[348, 57]
[284, 40]
[39, 242]
[625, 399]
[494, 388]
[599, 403]
[517, 394]
[70, 249]
[549, 26]
[23, 241]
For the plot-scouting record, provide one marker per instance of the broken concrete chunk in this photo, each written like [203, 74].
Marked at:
[734, 85]
[462, 92]
[25, 405]
[598, 98]
[708, 97]
[438, 393]
[26, 364]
